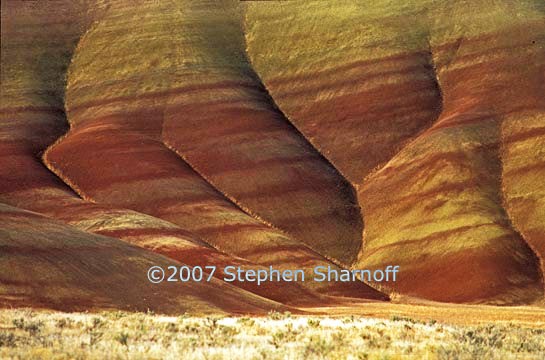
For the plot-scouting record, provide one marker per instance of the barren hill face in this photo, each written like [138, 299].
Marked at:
[288, 134]
[49, 264]
[418, 105]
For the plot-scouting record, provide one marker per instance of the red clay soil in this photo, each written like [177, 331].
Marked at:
[270, 134]
[286, 182]
[418, 126]
[464, 181]
[114, 155]
[29, 129]
[28, 183]
[51, 265]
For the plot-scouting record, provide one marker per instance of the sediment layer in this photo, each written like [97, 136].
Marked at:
[293, 134]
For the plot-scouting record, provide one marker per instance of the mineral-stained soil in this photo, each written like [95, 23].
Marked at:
[293, 134]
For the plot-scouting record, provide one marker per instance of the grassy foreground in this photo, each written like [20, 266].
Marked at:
[50, 335]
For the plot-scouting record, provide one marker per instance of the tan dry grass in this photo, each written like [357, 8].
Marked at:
[117, 335]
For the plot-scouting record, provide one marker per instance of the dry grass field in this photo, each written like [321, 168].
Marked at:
[26, 334]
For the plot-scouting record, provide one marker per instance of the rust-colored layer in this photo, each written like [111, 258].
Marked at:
[114, 155]
[55, 266]
[358, 93]
[408, 101]
[31, 122]
[229, 129]
[442, 196]
[220, 133]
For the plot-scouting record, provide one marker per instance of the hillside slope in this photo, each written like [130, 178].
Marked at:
[413, 102]
[56, 266]
[291, 134]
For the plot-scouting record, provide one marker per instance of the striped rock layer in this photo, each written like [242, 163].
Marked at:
[56, 266]
[435, 113]
[285, 181]
[291, 134]
[214, 212]
[32, 122]
[117, 108]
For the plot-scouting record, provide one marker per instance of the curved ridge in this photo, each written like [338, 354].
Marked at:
[353, 104]
[470, 174]
[39, 279]
[125, 134]
[532, 247]
[261, 134]
[287, 183]
[404, 196]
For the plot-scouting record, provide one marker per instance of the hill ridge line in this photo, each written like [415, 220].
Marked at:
[510, 220]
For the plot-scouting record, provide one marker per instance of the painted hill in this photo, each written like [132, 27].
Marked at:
[55, 266]
[292, 134]
[417, 103]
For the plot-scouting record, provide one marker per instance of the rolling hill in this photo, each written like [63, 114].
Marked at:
[288, 134]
